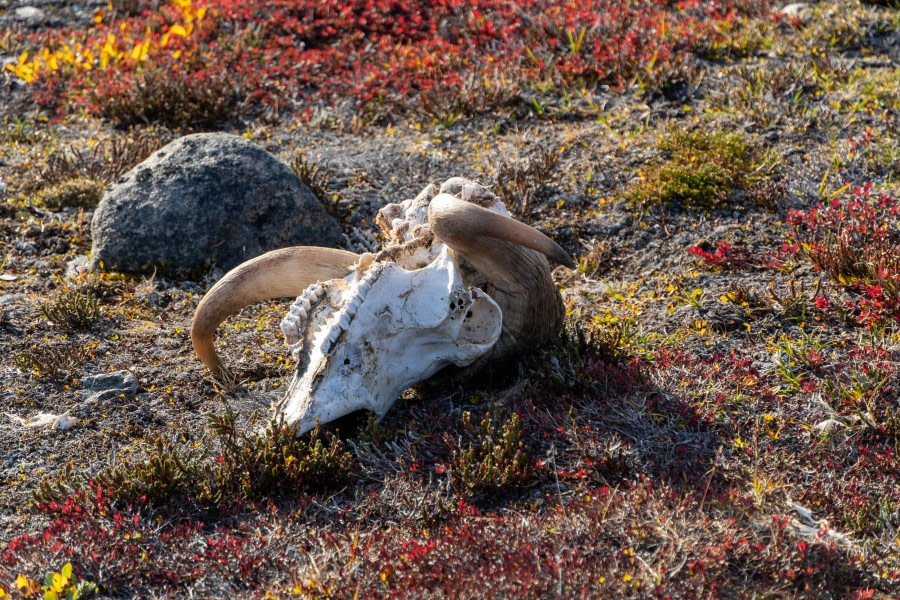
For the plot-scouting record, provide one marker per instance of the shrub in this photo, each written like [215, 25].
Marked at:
[274, 463]
[74, 309]
[63, 584]
[867, 386]
[104, 161]
[53, 361]
[170, 95]
[495, 456]
[855, 241]
[844, 26]
[316, 178]
[176, 66]
[235, 467]
[519, 178]
[721, 256]
[474, 95]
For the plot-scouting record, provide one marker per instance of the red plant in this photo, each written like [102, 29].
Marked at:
[297, 55]
[724, 256]
[856, 241]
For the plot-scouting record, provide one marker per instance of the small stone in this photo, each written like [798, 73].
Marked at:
[719, 317]
[77, 265]
[118, 381]
[29, 13]
[794, 9]
[26, 247]
[100, 401]
[103, 396]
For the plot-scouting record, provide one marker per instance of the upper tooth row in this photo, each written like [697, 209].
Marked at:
[295, 321]
[341, 320]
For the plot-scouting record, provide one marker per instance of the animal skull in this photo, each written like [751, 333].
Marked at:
[461, 285]
[380, 332]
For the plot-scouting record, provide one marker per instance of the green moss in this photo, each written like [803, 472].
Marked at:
[78, 192]
[700, 170]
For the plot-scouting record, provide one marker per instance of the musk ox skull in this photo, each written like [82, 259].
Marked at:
[461, 286]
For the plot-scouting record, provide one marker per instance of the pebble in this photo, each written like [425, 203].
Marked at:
[80, 263]
[29, 13]
[793, 9]
[119, 381]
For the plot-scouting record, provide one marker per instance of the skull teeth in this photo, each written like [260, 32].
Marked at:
[341, 321]
[296, 325]
[295, 322]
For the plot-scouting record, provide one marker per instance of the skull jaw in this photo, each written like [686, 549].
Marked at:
[306, 406]
[356, 375]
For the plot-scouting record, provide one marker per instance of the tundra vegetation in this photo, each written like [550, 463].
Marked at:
[719, 418]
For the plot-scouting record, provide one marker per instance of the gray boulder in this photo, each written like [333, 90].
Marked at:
[203, 199]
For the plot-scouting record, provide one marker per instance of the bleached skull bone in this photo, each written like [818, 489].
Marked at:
[380, 333]
[406, 221]
[405, 224]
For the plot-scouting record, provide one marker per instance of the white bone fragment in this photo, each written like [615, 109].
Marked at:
[62, 422]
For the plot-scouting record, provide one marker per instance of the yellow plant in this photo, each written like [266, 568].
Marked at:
[114, 50]
[26, 585]
[57, 586]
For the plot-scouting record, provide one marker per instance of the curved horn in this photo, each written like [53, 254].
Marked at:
[511, 255]
[469, 229]
[276, 274]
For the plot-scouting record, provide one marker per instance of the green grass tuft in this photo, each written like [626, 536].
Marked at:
[78, 192]
[74, 309]
[700, 171]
